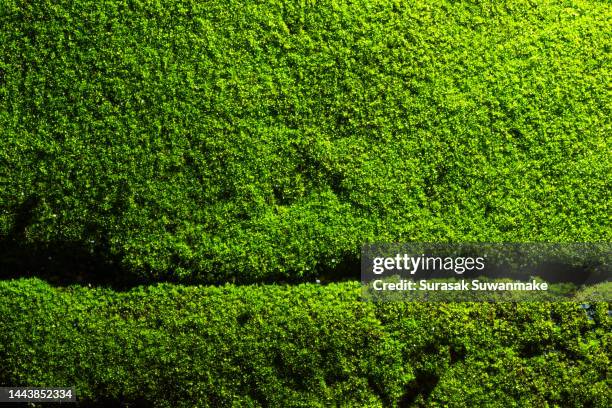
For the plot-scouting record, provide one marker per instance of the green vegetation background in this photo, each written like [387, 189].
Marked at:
[258, 141]
[250, 140]
[301, 346]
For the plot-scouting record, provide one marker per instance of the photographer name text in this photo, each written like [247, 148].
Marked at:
[462, 285]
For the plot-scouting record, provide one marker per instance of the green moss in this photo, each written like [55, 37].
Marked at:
[305, 345]
[250, 140]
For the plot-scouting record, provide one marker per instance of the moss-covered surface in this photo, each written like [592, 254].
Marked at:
[264, 141]
[300, 346]
[250, 140]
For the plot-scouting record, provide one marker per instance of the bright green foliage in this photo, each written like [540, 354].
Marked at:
[300, 346]
[246, 140]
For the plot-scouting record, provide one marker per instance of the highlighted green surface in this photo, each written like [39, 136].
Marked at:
[264, 141]
[216, 141]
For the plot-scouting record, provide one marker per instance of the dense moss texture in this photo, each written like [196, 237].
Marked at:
[247, 140]
[300, 346]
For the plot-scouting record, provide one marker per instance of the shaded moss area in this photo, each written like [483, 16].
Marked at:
[304, 345]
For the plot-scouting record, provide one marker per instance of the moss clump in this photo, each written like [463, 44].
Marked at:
[252, 140]
[305, 345]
